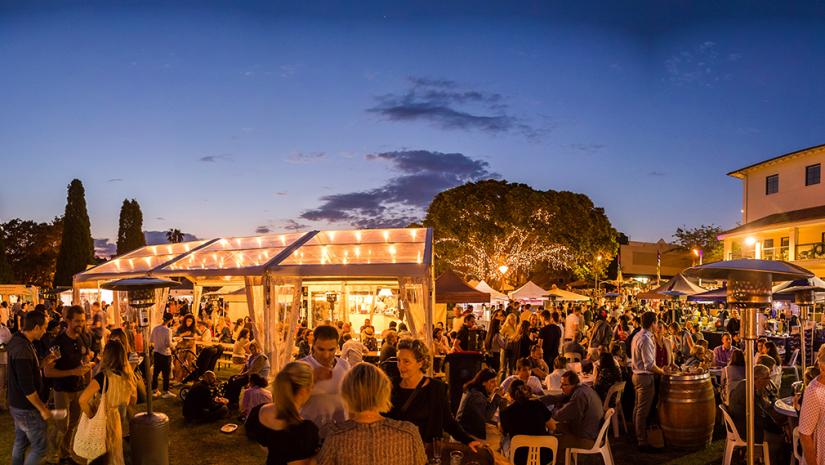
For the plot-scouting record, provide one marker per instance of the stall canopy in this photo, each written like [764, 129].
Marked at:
[450, 288]
[677, 286]
[785, 290]
[716, 295]
[560, 295]
[529, 292]
[495, 296]
[273, 268]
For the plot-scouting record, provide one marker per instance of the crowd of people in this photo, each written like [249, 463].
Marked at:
[545, 371]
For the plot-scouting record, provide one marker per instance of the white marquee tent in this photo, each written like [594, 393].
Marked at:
[276, 269]
[530, 292]
[496, 297]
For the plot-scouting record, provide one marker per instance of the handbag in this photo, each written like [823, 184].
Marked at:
[90, 438]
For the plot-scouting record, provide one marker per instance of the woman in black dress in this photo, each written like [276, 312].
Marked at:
[278, 426]
[424, 401]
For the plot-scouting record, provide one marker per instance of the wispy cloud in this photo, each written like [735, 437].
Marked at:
[403, 198]
[292, 225]
[216, 158]
[281, 193]
[262, 230]
[703, 65]
[305, 158]
[115, 180]
[160, 218]
[585, 149]
[657, 173]
[447, 105]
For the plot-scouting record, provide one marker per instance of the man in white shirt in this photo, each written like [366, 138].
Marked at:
[161, 340]
[325, 404]
[572, 323]
[643, 359]
[523, 367]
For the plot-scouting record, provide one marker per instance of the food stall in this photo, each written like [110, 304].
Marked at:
[322, 275]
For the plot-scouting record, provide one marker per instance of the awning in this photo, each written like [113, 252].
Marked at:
[560, 295]
[449, 288]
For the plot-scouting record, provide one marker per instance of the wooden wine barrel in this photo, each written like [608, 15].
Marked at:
[687, 410]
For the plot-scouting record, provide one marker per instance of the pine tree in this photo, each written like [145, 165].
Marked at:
[130, 230]
[76, 248]
[6, 273]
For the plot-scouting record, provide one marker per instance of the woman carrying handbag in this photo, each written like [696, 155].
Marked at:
[115, 387]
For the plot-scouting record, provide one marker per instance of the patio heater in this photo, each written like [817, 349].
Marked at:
[149, 430]
[749, 287]
[804, 292]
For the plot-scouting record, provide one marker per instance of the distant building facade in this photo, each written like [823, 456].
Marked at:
[783, 211]
[639, 259]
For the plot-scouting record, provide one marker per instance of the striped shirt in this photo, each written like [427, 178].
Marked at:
[643, 353]
[388, 442]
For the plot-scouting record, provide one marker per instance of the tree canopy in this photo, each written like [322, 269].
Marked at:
[483, 225]
[31, 250]
[76, 246]
[6, 273]
[704, 238]
[130, 227]
[174, 236]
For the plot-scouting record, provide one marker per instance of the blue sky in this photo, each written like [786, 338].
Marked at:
[227, 120]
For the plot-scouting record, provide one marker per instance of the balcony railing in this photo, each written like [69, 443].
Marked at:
[810, 251]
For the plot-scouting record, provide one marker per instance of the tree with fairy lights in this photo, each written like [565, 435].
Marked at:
[483, 225]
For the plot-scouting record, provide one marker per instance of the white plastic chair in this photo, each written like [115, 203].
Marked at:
[600, 446]
[797, 458]
[534, 445]
[616, 392]
[573, 357]
[734, 440]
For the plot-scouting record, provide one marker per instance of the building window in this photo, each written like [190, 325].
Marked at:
[772, 184]
[812, 174]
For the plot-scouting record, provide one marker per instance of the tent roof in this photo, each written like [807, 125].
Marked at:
[561, 295]
[450, 288]
[494, 294]
[530, 291]
[716, 295]
[368, 253]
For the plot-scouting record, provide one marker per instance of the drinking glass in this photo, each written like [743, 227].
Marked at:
[455, 457]
[436, 458]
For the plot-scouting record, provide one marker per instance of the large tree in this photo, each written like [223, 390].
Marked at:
[76, 247]
[704, 238]
[130, 228]
[6, 273]
[31, 249]
[481, 226]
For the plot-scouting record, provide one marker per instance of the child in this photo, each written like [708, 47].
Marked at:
[256, 394]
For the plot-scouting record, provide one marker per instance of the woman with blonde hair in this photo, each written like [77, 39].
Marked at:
[278, 426]
[508, 334]
[117, 380]
[368, 437]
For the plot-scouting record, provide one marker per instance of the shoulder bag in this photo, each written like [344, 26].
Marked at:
[90, 438]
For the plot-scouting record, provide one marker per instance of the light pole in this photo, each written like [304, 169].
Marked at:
[698, 252]
[503, 270]
[596, 274]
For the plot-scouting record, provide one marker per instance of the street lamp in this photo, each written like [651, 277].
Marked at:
[596, 275]
[149, 430]
[503, 269]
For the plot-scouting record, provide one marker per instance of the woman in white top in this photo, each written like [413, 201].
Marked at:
[508, 332]
[553, 380]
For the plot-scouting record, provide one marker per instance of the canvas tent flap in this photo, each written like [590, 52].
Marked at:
[450, 288]
[530, 291]
[565, 296]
